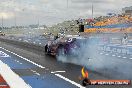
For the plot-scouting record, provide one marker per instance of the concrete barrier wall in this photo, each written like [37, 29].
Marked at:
[23, 44]
[116, 49]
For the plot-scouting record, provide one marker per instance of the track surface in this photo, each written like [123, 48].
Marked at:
[40, 71]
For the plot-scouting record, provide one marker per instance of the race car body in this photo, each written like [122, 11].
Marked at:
[64, 46]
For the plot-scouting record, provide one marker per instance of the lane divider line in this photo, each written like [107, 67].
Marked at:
[24, 58]
[119, 56]
[70, 81]
[124, 57]
[101, 53]
[107, 54]
[12, 79]
[35, 72]
[18, 61]
[58, 72]
[113, 55]
[2, 54]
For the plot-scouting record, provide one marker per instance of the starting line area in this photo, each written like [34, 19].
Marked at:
[14, 68]
[3, 54]
[13, 80]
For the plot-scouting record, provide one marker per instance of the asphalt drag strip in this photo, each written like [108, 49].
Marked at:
[29, 66]
[33, 74]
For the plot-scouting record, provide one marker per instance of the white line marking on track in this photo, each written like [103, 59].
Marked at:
[107, 54]
[32, 70]
[58, 72]
[119, 56]
[124, 57]
[68, 80]
[24, 58]
[113, 55]
[35, 72]
[101, 53]
[3, 54]
[130, 58]
[18, 61]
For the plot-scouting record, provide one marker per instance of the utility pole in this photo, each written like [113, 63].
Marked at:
[15, 22]
[67, 3]
[92, 11]
[38, 24]
[2, 23]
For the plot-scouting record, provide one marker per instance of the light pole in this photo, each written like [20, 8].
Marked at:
[92, 11]
[15, 22]
[38, 24]
[2, 23]
[67, 3]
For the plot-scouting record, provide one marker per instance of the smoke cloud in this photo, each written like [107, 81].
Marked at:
[89, 56]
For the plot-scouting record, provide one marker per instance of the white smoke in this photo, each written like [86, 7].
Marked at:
[90, 57]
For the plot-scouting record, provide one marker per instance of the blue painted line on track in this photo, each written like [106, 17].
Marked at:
[14, 62]
[47, 81]
[15, 65]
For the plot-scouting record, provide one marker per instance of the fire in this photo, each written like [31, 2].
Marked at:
[84, 73]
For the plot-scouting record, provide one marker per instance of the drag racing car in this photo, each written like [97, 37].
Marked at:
[64, 46]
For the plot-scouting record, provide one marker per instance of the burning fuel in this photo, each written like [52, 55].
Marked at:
[84, 73]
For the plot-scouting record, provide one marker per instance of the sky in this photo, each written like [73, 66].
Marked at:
[51, 12]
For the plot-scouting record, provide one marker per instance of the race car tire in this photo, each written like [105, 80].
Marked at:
[86, 82]
[46, 48]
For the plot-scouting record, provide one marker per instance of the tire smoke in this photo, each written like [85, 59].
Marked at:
[89, 56]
